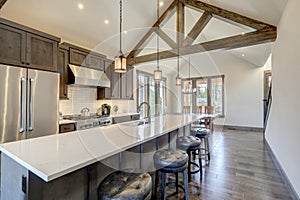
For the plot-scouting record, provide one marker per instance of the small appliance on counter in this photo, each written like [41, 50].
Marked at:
[105, 109]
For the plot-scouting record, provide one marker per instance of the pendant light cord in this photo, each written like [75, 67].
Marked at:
[157, 41]
[178, 35]
[121, 24]
[189, 69]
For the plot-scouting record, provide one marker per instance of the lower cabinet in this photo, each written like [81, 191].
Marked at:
[126, 118]
[64, 128]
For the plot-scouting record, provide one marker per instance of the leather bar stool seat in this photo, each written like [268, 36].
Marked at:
[171, 161]
[124, 185]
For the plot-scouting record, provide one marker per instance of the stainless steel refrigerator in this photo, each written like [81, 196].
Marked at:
[28, 103]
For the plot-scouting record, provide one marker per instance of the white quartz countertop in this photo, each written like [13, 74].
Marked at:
[53, 156]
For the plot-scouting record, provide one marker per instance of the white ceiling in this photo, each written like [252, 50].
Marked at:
[86, 27]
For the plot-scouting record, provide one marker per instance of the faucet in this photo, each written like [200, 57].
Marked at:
[85, 111]
[148, 111]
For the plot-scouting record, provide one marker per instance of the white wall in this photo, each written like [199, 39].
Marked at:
[283, 126]
[243, 86]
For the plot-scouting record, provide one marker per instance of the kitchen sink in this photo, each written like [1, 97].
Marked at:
[136, 123]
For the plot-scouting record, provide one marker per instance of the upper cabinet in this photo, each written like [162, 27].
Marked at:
[86, 58]
[26, 47]
[121, 85]
[62, 69]
[127, 84]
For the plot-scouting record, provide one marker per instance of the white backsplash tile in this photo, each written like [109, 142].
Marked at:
[80, 97]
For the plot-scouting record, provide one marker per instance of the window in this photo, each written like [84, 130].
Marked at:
[209, 91]
[151, 92]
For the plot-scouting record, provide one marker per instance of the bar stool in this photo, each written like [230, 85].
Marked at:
[203, 135]
[191, 145]
[171, 161]
[121, 185]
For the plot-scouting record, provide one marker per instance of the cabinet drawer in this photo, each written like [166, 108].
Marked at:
[117, 120]
[135, 117]
[63, 128]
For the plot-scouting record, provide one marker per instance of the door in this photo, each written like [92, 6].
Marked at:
[43, 95]
[12, 103]
[267, 83]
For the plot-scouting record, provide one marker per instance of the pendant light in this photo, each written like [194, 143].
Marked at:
[178, 79]
[120, 60]
[157, 71]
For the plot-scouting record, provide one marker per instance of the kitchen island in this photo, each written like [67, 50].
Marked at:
[71, 165]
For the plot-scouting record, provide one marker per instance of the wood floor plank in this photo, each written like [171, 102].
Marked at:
[241, 168]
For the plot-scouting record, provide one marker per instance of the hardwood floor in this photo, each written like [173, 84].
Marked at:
[240, 168]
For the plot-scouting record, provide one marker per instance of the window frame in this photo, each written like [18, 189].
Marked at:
[209, 85]
[150, 75]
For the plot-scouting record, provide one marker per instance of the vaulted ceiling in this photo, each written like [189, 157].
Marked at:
[87, 27]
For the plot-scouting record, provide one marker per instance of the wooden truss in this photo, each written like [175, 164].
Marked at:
[262, 33]
[2, 2]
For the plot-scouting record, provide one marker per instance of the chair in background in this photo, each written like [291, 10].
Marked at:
[209, 120]
[186, 109]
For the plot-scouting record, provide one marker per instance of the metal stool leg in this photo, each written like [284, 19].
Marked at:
[200, 162]
[163, 184]
[155, 185]
[186, 192]
[207, 148]
[176, 179]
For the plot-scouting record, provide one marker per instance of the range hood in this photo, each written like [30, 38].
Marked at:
[83, 76]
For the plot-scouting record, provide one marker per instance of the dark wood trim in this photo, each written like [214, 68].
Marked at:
[282, 173]
[180, 23]
[248, 39]
[146, 38]
[197, 29]
[2, 2]
[165, 38]
[243, 128]
[225, 14]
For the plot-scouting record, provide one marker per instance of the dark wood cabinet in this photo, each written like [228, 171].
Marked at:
[64, 128]
[127, 84]
[13, 45]
[96, 61]
[41, 52]
[79, 57]
[26, 47]
[121, 85]
[62, 69]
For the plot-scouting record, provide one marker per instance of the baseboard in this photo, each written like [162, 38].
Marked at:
[240, 128]
[282, 173]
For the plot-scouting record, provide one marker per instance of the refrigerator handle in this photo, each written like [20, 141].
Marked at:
[22, 107]
[30, 126]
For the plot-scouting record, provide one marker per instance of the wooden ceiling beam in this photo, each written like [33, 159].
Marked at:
[252, 38]
[197, 29]
[165, 38]
[180, 23]
[2, 2]
[234, 17]
[146, 38]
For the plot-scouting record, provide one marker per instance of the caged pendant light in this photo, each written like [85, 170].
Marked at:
[178, 79]
[157, 71]
[120, 60]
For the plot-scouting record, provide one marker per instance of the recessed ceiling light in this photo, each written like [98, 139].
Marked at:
[243, 55]
[125, 32]
[161, 3]
[243, 33]
[106, 21]
[80, 6]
